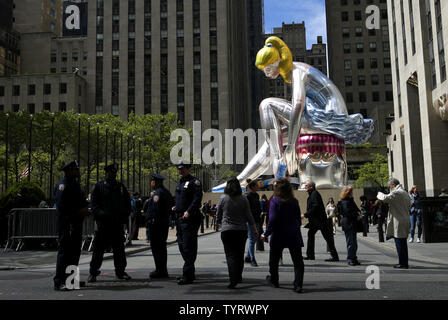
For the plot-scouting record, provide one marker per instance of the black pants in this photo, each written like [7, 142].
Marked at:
[234, 242]
[380, 229]
[158, 234]
[110, 234]
[187, 239]
[69, 251]
[328, 236]
[299, 267]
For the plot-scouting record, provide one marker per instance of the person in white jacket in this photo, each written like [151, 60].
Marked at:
[398, 224]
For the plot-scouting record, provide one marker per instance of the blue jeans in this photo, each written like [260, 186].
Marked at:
[352, 245]
[252, 240]
[402, 250]
[415, 217]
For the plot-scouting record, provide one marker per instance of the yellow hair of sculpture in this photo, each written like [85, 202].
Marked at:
[274, 49]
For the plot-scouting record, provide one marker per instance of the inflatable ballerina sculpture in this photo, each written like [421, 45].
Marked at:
[314, 126]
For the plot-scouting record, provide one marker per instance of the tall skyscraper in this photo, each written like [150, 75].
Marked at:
[32, 16]
[418, 149]
[359, 60]
[184, 56]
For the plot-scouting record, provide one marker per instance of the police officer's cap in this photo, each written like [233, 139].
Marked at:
[70, 165]
[111, 167]
[157, 177]
[183, 165]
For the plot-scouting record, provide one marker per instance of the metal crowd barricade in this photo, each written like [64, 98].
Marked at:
[39, 223]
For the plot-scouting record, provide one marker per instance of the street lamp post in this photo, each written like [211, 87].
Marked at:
[6, 150]
[79, 138]
[107, 130]
[29, 147]
[51, 155]
[97, 151]
[88, 156]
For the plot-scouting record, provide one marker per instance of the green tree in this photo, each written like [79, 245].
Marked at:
[373, 174]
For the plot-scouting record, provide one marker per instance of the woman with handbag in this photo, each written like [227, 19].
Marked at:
[351, 222]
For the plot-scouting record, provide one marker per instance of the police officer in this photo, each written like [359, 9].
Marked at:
[158, 221]
[188, 220]
[71, 207]
[111, 207]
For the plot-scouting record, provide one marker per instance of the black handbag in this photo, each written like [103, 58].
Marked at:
[359, 225]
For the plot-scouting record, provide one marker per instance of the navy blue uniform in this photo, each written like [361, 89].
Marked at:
[158, 221]
[188, 198]
[111, 207]
[69, 201]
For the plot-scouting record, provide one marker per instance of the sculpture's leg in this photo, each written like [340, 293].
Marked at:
[272, 112]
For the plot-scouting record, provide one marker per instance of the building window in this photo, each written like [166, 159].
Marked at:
[387, 63]
[31, 108]
[375, 96]
[16, 90]
[2, 91]
[358, 16]
[347, 48]
[361, 80]
[363, 112]
[374, 79]
[386, 46]
[344, 16]
[362, 97]
[15, 107]
[387, 79]
[372, 46]
[47, 106]
[385, 30]
[348, 81]
[62, 88]
[346, 32]
[360, 64]
[373, 63]
[360, 47]
[358, 32]
[62, 106]
[347, 64]
[31, 90]
[389, 96]
[349, 97]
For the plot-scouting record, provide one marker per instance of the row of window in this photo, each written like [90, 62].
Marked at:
[373, 64]
[374, 80]
[31, 107]
[359, 31]
[347, 47]
[357, 15]
[32, 89]
[358, 2]
[362, 96]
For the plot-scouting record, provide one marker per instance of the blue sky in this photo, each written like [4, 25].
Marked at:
[310, 11]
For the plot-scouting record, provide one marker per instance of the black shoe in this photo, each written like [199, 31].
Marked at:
[351, 263]
[247, 259]
[179, 278]
[254, 263]
[357, 263]
[298, 289]
[272, 283]
[183, 281]
[309, 258]
[332, 260]
[82, 284]
[123, 276]
[399, 266]
[61, 287]
[158, 275]
[232, 285]
[91, 278]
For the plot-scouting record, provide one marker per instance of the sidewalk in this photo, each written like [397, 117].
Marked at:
[431, 252]
[11, 260]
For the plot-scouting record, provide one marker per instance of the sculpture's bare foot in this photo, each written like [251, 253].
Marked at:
[290, 158]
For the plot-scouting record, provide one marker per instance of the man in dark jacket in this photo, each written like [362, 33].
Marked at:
[111, 207]
[315, 213]
[71, 207]
[158, 222]
[188, 220]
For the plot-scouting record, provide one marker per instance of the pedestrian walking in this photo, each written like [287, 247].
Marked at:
[398, 223]
[350, 215]
[71, 208]
[365, 214]
[206, 209]
[255, 208]
[264, 209]
[158, 221]
[331, 215]
[380, 211]
[188, 220]
[213, 215]
[416, 214]
[315, 213]
[136, 213]
[111, 207]
[284, 230]
[235, 218]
